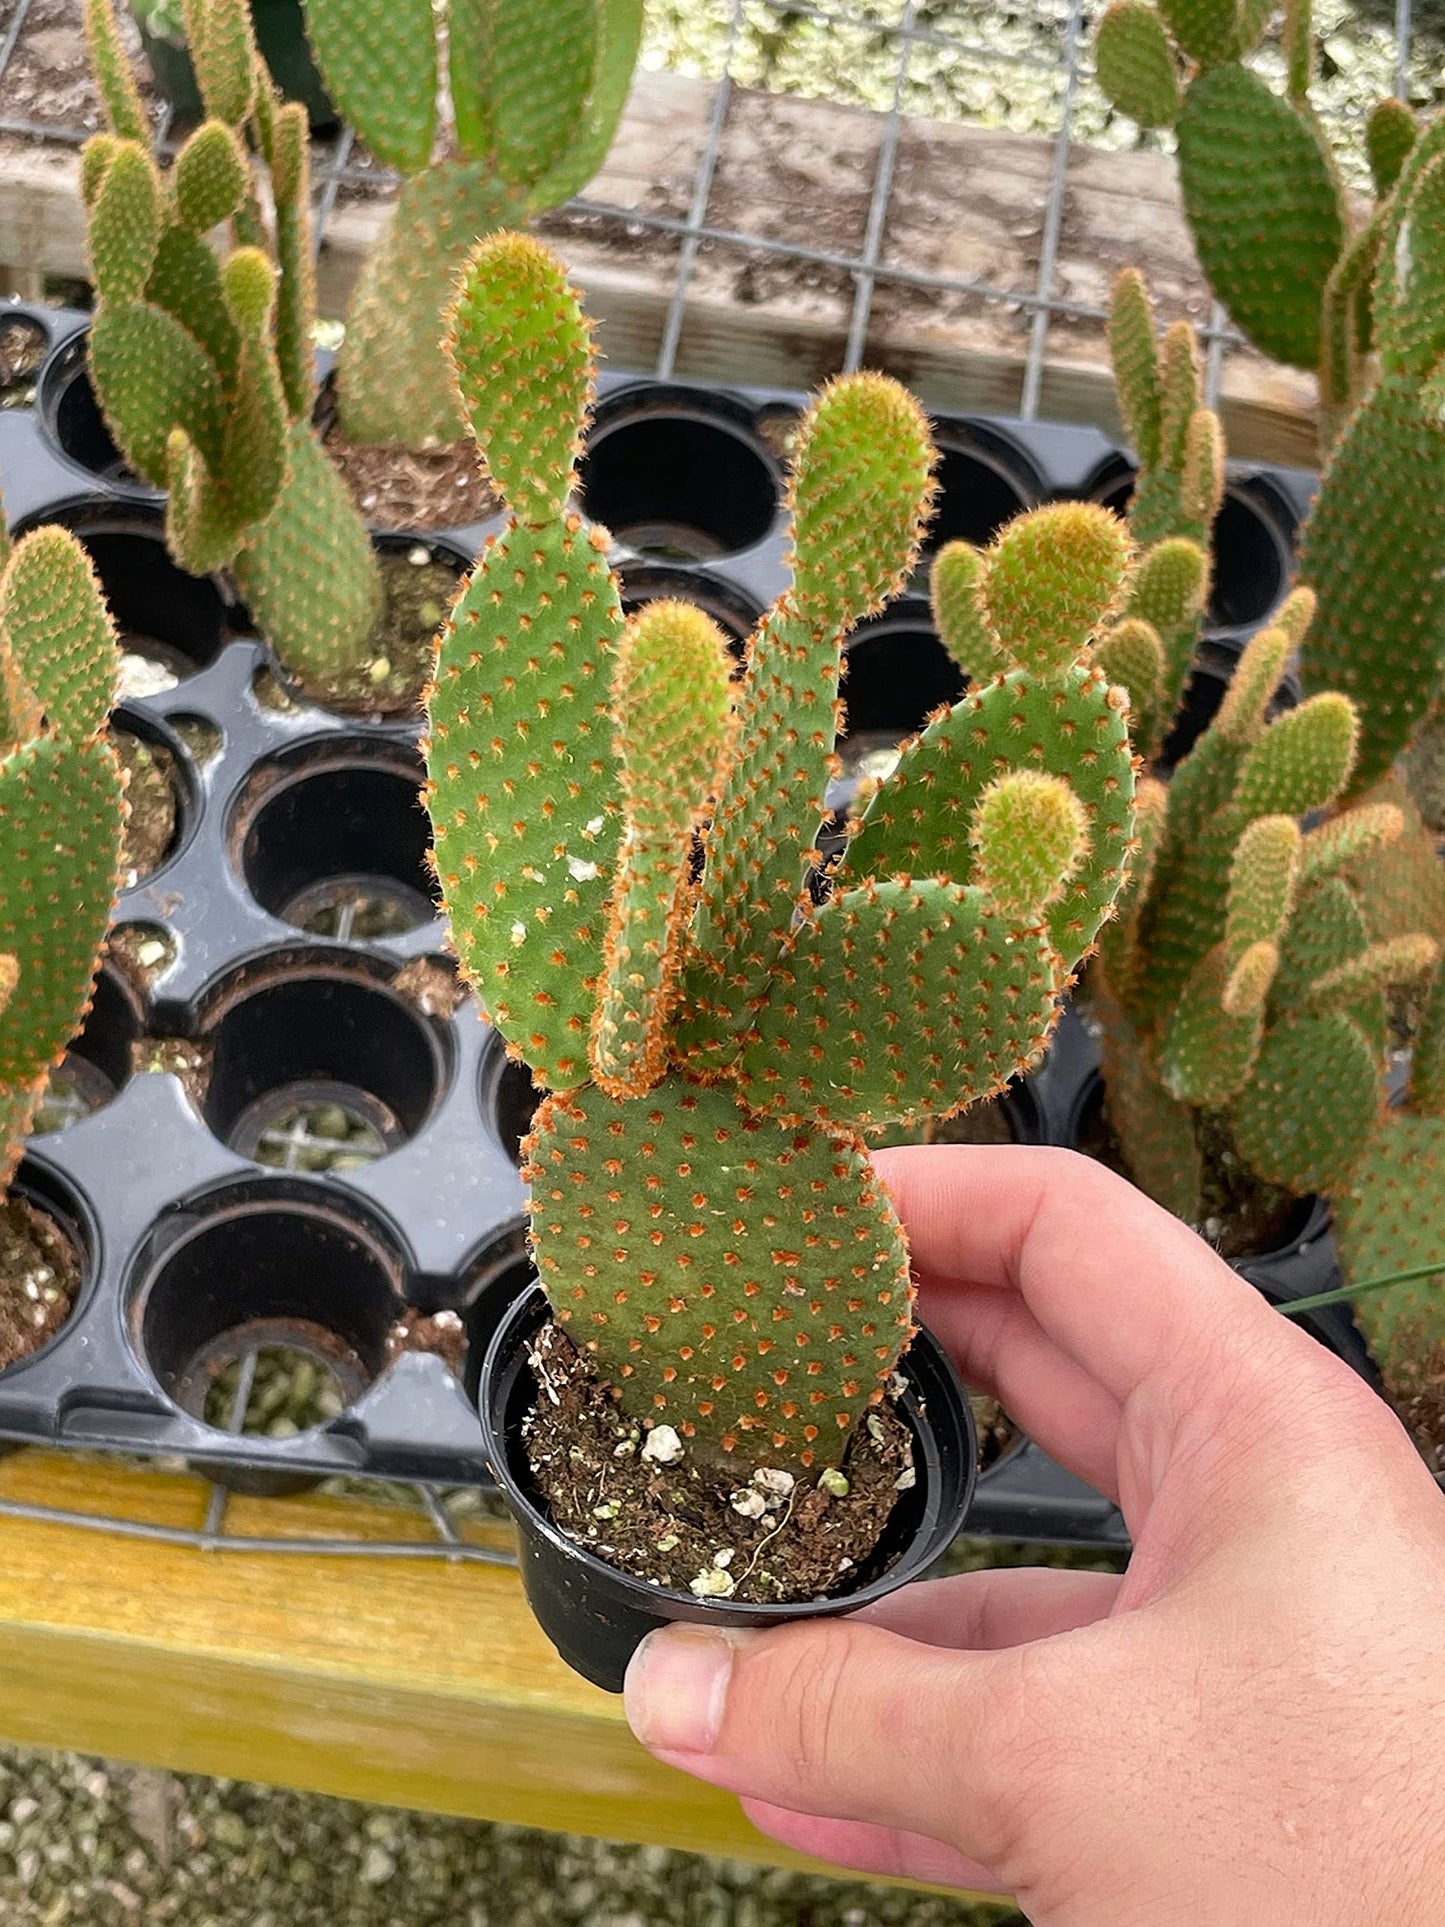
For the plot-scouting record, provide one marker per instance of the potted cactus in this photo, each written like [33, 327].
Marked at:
[625, 843]
[203, 368]
[533, 117]
[62, 808]
[280, 37]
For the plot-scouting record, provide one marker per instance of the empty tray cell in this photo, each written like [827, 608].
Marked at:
[897, 673]
[171, 624]
[333, 839]
[98, 1061]
[238, 1292]
[317, 1070]
[679, 479]
[981, 485]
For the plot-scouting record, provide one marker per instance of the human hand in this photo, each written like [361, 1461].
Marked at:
[1246, 1727]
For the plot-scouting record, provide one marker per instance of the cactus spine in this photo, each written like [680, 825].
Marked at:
[202, 365]
[704, 1214]
[61, 814]
[534, 113]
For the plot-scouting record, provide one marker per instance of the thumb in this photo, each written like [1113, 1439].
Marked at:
[845, 1720]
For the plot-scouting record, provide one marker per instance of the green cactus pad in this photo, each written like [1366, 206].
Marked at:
[1355, 836]
[1207, 30]
[1371, 551]
[1306, 1116]
[186, 282]
[1262, 881]
[1132, 656]
[379, 61]
[308, 573]
[1263, 208]
[124, 110]
[538, 84]
[1248, 984]
[55, 630]
[1052, 579]
[210, 179]
[1427, 1071]
[1135, 64]
[1119, 950]
[1155, 1132]
[1393, 1219]
[62, 808]
[295, 256]
[95, 157]
[125, 225]
[620, 37]
[151, 377]
[750, 1287]
[1179, 391]
[958, 611]
[860, 492]
[1208, 1053]
[899, 1001]
[1243, 715]
[523, 357]
[1397, 962]
[672, 703]
[918, 823]
[1201, 476]
[1401, 887]
[1168, 593]
[1409, 296]
[1390, 133]
[531, 828]
[1326, 931]
[1132, 353]
[1303, 760]
[1029, 835]
[394, 382]
[223, 53]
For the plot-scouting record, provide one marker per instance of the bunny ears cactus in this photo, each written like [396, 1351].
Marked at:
[704, 1214]
[61, 814]
[535, 112]
[203, 364]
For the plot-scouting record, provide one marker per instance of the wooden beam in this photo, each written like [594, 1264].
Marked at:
[407, 1682]
[967, 203]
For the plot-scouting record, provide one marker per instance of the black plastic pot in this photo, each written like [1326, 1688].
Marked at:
[596, 1616]
[281, 37]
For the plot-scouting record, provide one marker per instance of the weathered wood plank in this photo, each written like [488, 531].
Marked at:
[966, 203]
[407, 1682]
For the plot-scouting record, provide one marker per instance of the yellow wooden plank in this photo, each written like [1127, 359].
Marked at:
[408, 1682]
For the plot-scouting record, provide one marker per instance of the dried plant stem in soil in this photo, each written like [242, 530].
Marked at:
[39, 1277]
[637, 1499]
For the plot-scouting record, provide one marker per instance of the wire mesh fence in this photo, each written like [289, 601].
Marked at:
[1016, 65]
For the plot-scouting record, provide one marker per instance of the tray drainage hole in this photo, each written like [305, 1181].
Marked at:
[277, 1392]
[975, 498]
[317, 1073]
[684, 486]
[23, 345]
[98, 1061]
[341, 851]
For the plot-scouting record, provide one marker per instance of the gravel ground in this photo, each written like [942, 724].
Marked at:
[85, 1844]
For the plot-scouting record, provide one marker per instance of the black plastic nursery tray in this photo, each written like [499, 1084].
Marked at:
[289, 1129]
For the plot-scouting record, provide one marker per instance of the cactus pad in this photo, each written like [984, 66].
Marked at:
[1263, 208]
[899, 1001]
[1393, 1219]
[525, 807]
[743, 1280]
[1054, 578]
[380, 62]
[1135, 64]
[56, 633]
[1312, 1105]
[962, 627]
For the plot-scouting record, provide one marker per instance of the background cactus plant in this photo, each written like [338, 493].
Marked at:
[534, 115]
[203, 363]
[61, 814]
[704, 1214]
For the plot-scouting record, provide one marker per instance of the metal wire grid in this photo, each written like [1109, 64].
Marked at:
[337, 167]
